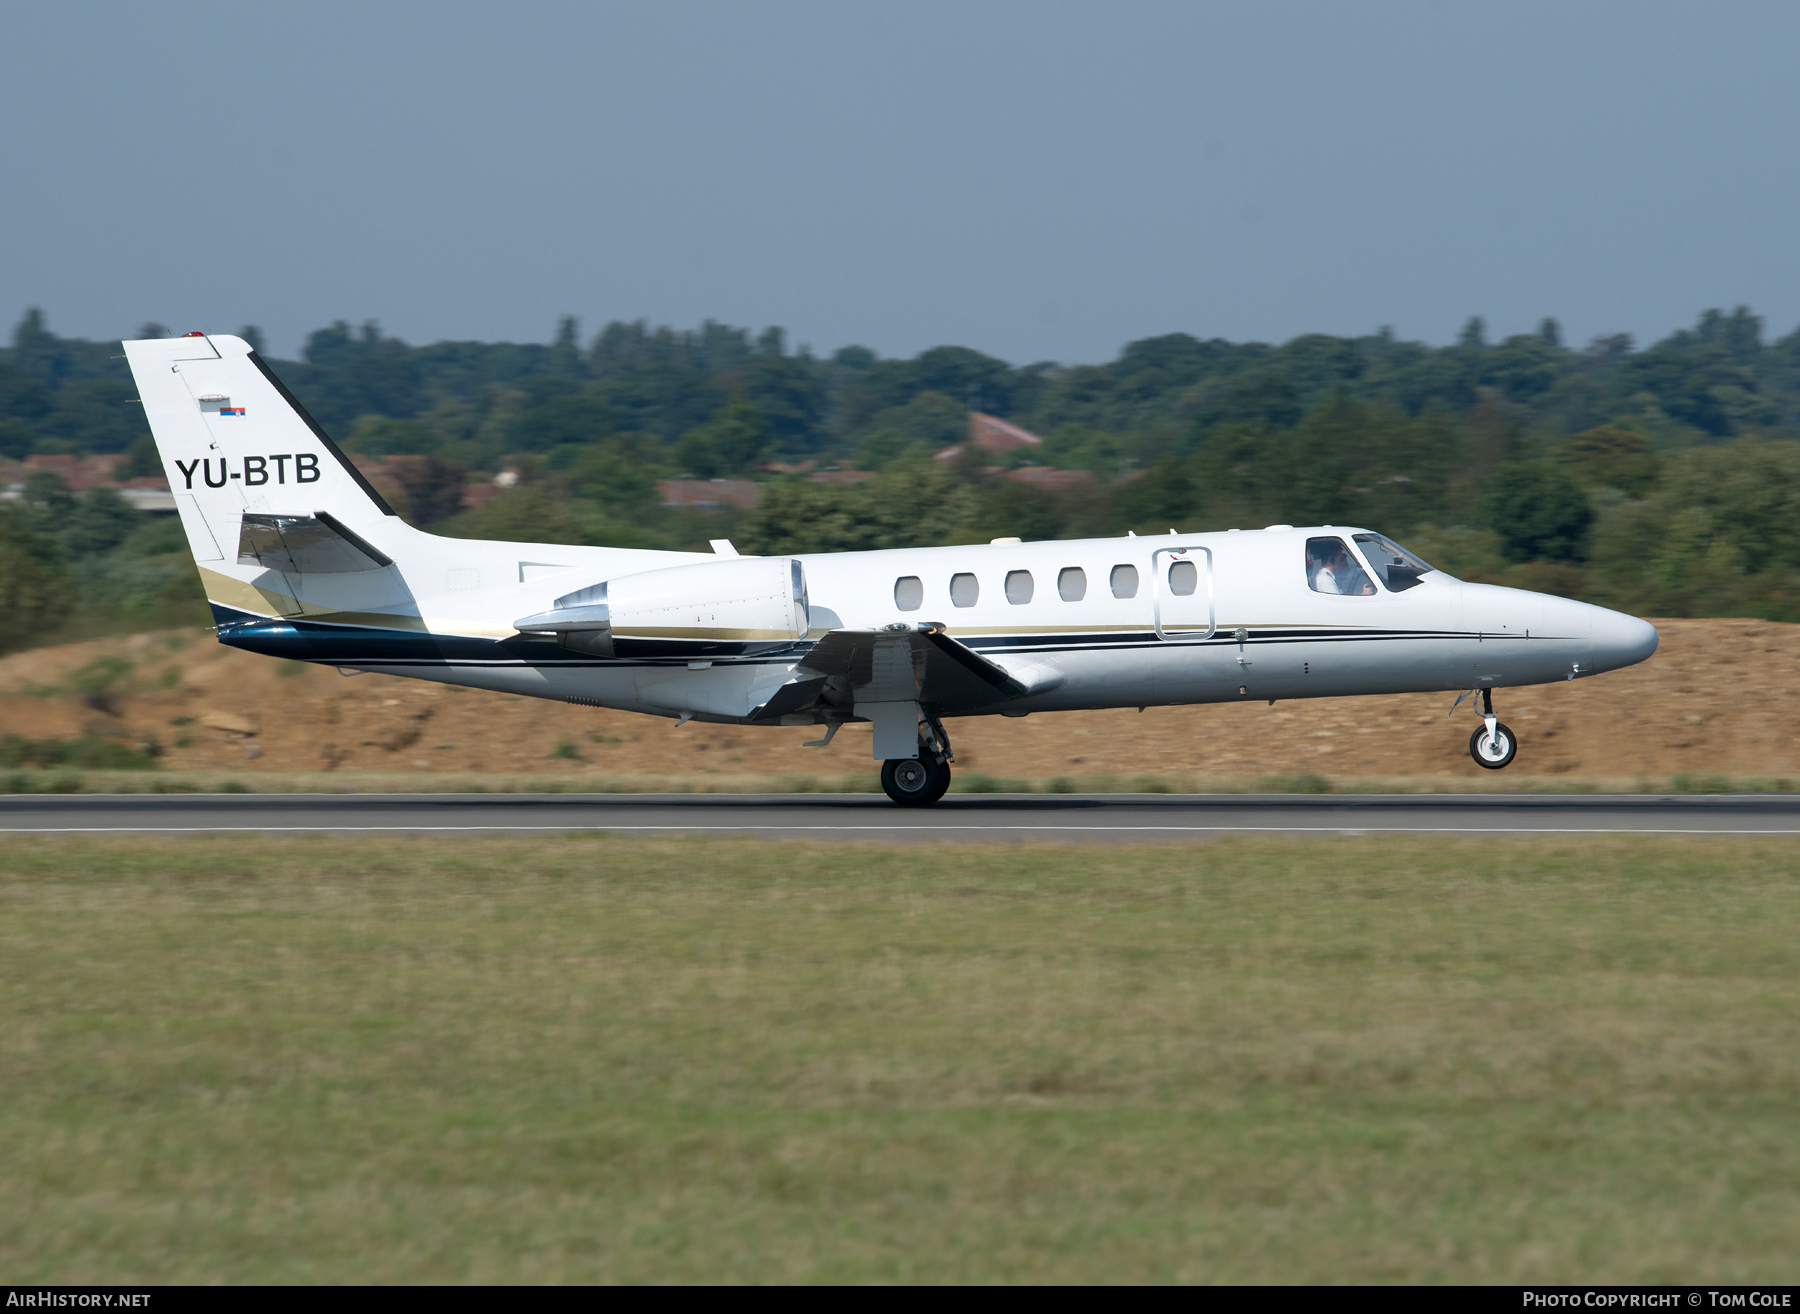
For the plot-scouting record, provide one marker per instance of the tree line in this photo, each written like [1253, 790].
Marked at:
[1660, 479]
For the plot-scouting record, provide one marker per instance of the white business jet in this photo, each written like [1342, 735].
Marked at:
[301, 558]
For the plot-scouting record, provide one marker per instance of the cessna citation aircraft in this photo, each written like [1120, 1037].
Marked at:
[301, 558]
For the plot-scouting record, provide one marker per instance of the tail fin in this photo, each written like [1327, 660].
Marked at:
[240, 451]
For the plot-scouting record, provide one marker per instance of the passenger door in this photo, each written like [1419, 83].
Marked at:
[1181, 594]
[1183, 614]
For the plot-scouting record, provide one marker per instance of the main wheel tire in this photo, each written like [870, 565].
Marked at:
[914, 782]
[1493, 756]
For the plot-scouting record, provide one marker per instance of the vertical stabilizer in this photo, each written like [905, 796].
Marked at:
[235, 443]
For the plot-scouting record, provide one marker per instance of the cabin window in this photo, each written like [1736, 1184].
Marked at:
[1124, 581]
[909, 593]
[965, 590]
[1331, 569]
[1018, 587]
[1184, 578]
[1071, 584]
[1396, 568]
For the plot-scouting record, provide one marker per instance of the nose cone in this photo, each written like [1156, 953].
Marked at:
[1621, 640]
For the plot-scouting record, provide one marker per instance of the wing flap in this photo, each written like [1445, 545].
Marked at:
[904, 663]
[796, 695]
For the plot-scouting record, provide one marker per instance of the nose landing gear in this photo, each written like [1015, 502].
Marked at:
[1494, 745]
[915, 782]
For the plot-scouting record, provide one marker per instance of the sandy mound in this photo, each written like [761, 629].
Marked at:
[1708, 702]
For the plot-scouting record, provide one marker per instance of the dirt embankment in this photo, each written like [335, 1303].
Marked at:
[1711, 701]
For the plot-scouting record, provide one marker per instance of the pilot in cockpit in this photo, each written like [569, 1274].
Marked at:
[1331, 569]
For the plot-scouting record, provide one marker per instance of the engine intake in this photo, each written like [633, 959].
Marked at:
[707, 609]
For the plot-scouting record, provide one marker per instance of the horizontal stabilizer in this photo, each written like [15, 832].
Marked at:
[318, 544]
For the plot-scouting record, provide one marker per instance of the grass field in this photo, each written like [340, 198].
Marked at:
[585, 1058]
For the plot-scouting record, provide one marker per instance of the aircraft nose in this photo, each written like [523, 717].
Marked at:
[1621, 640]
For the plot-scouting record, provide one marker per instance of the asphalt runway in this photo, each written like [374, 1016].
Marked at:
[1103, 818]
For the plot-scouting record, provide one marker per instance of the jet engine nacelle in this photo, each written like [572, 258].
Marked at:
[707, 609]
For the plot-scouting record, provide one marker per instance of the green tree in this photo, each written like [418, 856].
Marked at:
[1750, 492]
[914, 506]
[1538, 512]
[619, 475]
[730, 443]
[1608, 456]
[433, 486]
[39, 352]
[347, 375]
[377, 435]
[1162, 498]
[522, 514]
[98, 521]
[930, 419]
[46, 493]
[17, 438]
[881, 448]
[788, 393]
[34, 590]
[1528, 365]
[574, 417]
[1008, 508]
[1083, 447]
[530, 513]
[141, 460]
[22, 397]
[1252, 474]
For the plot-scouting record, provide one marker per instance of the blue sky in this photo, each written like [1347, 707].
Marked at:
[1043, 181]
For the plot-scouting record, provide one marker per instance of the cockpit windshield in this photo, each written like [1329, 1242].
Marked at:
[1396, 568]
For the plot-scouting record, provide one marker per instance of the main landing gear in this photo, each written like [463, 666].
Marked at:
[915, 782]
[1494, 745]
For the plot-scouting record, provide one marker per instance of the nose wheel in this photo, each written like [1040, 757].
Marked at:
[1494, 748]
[1494, 745]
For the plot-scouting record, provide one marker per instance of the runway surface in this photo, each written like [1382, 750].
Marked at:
[1105, 818]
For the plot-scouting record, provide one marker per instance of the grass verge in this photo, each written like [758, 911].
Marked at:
[75, 780]
[582, 1058]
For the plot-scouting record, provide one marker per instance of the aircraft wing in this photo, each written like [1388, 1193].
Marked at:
[905, 663]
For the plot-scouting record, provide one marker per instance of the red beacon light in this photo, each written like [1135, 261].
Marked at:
[195, 334]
